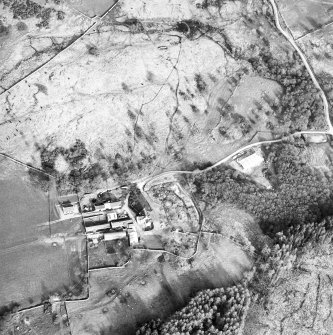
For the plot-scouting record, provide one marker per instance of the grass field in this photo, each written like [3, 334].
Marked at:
[31, 268]
[31, 272]
[304, 16]
[33, 321]
[91, 8]
[153, 285]
[23, 206]
[108, 253]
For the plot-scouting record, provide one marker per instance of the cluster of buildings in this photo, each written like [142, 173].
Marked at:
[103, 217]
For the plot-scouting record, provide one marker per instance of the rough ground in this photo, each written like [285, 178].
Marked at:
[153, 285]
[301, 303]
[145, 90]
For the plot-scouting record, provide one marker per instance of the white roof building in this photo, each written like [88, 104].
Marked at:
[68, 209]
[249, 162]
[112, 216]
[113, 205]
[315, 138]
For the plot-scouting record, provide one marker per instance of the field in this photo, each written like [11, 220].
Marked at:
[243, 100]
[153, 285]
[38, 254]
[306, 16]
[31, 272]
[108, 253]
[34, 321]
[91, 8]
[24, 207]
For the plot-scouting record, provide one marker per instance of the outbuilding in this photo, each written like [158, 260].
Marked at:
[114, 235]
[113, 205]
[92, 227]
[133, 236]
[99, 207]
[122, 223]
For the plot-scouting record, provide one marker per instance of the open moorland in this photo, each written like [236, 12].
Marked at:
[156, 91]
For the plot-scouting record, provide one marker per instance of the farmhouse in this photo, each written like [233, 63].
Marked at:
[68, 209]
[69, 204]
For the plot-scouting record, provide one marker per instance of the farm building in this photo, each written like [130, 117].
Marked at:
[92, 227]
[112, 216]
[133, 236]
[145, 222]
[122, 223]
[68, 209]
[115, 235]
[113, 205]
[315, 138]
[94, 217]
[99, 207]
[250, 160]
[95, 222]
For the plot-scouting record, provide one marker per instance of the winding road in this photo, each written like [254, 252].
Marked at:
[306, 63]
[144, 183]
